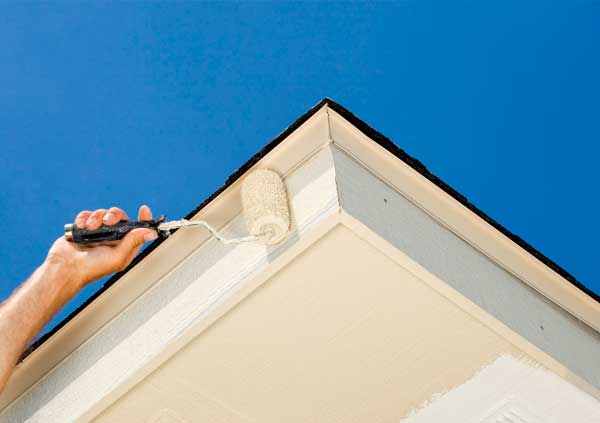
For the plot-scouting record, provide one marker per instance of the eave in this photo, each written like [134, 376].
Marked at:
[319, 155]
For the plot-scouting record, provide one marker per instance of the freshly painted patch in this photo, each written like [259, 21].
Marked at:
[510, 390]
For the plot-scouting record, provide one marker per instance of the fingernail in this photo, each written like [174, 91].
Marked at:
[92, 221]
[150, 236]
[108, 217]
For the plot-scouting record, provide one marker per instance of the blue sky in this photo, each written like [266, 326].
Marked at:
[122, 104]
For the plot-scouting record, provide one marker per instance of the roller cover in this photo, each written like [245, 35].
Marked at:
[265, 204]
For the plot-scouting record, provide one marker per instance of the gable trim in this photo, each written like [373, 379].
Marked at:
[386, 144]
[463, 221]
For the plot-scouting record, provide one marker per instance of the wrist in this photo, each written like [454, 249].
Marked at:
[63, 273]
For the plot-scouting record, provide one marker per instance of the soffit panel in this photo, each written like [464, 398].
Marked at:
[342, 333]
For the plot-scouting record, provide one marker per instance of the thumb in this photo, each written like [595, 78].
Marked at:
[133, 241]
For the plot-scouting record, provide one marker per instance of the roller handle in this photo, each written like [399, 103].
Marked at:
[109, 233]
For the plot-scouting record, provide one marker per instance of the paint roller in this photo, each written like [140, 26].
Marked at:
[265, 209]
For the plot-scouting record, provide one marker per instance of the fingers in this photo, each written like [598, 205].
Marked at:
[145, 213]
[95, 219]
[107, 257]
[92, 220]
[114, 215]
[81, 218]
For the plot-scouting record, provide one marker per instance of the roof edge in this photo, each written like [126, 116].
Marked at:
[151, 247]
[377, 137]
[417, 165]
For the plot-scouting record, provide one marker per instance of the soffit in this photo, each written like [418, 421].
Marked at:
[342, 333]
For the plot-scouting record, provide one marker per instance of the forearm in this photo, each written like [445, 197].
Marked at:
[29, 308]
[68, 268]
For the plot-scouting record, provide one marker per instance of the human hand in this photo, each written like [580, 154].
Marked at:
[85, 263]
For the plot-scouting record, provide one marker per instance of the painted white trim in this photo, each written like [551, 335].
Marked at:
[462, 221]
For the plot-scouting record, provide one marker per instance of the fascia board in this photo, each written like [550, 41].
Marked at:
[304, 143]
[462, 221]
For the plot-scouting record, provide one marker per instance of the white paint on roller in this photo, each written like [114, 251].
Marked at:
[265, 209]
[265, 205]
[510, 390]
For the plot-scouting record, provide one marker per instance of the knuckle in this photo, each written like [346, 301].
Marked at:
[137, 242]
[98, 212]
[122, 263]
[83, 213]
[94, 220]
[131, 242]
[116, 211]
[82, 217]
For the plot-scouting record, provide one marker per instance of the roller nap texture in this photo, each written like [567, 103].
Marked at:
[265, 204]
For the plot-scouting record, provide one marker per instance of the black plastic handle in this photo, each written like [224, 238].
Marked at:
[109, 233]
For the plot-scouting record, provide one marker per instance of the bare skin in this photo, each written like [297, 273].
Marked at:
[67, 268]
